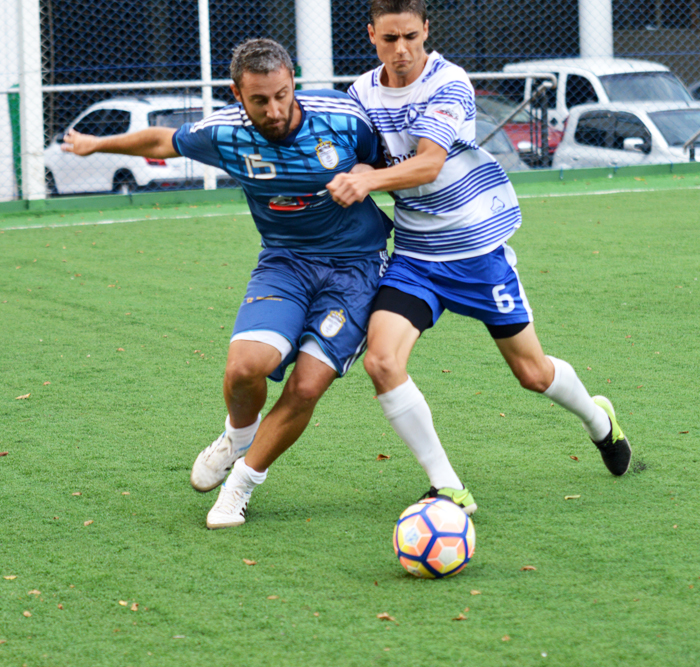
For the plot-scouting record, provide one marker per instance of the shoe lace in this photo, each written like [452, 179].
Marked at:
[230, 500]
[220, 444]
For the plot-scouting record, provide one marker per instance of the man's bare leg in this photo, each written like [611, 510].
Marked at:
[554, 378]
[245, 390]
[278, 431]
[289, 417]
[390, 339]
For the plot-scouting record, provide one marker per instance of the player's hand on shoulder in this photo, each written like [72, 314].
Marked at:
[346, 189]
[80, 144]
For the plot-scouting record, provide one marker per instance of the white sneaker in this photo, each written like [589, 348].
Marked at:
[214, 463]
[230, 507]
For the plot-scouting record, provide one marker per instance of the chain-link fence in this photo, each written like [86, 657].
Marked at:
[107, 67]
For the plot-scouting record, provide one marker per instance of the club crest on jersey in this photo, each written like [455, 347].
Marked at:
[332, 323]
[327, 155]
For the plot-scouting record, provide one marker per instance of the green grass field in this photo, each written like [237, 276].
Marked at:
[118, 336]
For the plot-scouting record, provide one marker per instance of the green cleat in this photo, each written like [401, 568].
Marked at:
[615, 449]
[460, 497]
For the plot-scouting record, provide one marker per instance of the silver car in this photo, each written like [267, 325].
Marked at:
[626, 134]
[67, 173]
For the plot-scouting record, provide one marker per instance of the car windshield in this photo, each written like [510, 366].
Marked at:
[174, 118]
[644, 86]
[677, 126]
[500, 107]
[498, 144]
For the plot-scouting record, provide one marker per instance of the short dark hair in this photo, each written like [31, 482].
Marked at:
[259, 56]
[378, 8]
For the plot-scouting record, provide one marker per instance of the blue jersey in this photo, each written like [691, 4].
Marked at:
[285, 181]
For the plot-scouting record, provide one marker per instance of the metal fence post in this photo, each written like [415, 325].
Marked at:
[31, 105]
[205, 59]
[315, 41]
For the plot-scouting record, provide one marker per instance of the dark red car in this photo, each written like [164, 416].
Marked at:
[499, 107]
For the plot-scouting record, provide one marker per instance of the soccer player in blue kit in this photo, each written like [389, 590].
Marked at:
[455, 211]
[310, 295]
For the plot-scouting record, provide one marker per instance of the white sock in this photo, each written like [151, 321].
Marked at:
[409, 415]
[568, 391]
[245, 476]
[242, 438]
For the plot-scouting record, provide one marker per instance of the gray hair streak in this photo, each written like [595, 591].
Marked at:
[259, 56]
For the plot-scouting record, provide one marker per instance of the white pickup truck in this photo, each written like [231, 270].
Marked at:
[592, 80]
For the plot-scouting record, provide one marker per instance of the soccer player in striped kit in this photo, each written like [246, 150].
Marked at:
[454, 213]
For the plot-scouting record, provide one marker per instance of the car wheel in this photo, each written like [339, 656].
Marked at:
[50, 182]
[124, 183]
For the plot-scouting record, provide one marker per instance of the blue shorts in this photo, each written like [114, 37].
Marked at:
[486, 287]
[327, 298]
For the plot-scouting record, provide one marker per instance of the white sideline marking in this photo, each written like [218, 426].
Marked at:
[149, 217]
[605, 192]
[146, 218]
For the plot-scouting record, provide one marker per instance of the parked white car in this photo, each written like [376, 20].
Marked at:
[601, 80]
[67, 173]
[626, 134]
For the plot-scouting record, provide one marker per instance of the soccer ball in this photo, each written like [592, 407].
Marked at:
[434, 538]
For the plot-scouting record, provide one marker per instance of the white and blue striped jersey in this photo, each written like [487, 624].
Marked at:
[285, 181]
[471, 208]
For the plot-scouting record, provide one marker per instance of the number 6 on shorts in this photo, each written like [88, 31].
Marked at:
[504, 302]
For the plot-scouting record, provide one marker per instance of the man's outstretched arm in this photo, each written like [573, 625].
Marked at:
[423, 168]
[155, 142]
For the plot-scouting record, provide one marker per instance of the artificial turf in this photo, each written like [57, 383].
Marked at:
[118, 334]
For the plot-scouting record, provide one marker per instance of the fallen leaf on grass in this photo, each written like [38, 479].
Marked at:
[26, 613]
[502, 415]
[316, 614]
[680, 432]
[527, 568]
[126, 493]
[87, 523]
[572, 497]
[10, 577]
[461, 617]
[639, 386]
[588, 368]
[134, 607]
[6, 453]
[3, 641]
[178, 636]
[574, 458]
[120, 349]
[273, 597]
[45, 383]
[385, 617]
[123, 603]
[76, 493]
[444, 370]
[60, 606]
[475, 592]
[383, 457]
[250, 562]
[505, 638]
[19, 398]
[34, 592]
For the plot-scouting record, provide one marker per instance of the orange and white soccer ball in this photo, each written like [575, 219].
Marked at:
[434, 538]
